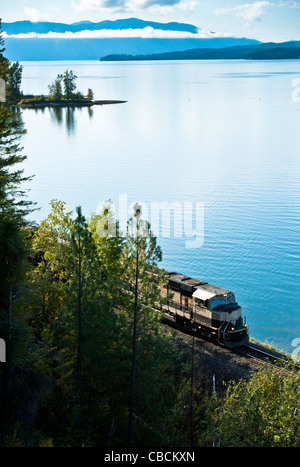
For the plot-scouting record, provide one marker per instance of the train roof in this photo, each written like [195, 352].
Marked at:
[179, 281]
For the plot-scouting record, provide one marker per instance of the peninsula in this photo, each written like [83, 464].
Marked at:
[264, 51]
[40, 102]
[62, 94]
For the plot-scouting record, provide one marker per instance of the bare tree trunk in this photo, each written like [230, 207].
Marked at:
[7, 368]
[133, 367]
[79, 348]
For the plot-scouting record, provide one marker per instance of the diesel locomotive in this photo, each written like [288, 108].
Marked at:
[212, 311]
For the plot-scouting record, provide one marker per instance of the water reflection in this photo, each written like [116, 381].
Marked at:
[70, 120]
[66, 116]
[56, 114]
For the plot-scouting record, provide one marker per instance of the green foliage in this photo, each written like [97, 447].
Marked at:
[64, 87]
[69, 81]
[50, 277]
[13, 84]
[13, 203]
[77, 279]
[24, 378]
[261, 412]
[69, 318]
[90, 95]
[72, 351]
[55, 89]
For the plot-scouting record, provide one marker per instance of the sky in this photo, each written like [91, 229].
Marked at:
[266, 20]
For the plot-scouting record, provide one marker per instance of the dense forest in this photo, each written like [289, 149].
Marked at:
[268, 51]
[88, 362]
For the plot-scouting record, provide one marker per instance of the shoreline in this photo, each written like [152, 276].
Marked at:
[43, 104]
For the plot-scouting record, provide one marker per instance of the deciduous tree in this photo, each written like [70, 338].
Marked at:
[261, 412]
[69, 82]
[55, 89]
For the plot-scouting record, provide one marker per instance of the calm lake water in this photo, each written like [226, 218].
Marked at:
[223, 134]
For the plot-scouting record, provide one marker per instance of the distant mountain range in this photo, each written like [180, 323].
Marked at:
[25, 40]
[151, 40]
[43, 27]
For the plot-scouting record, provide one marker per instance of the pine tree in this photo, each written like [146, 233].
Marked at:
[4, 63]
[14, 207]
[142, 255]
[14, 80]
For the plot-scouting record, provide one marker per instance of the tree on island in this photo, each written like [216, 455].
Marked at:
[64, 86]
[56, 89]
[90, 95]
[69, 79]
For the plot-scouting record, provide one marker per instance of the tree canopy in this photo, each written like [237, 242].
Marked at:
[64, 87]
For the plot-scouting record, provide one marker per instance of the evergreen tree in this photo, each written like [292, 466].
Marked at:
[14, 246]
[142, 255]
[4, 63]
[14, 207]
[70, 309]
[88, 274]
[14, 80]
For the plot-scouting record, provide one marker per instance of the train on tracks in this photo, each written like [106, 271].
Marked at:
[211, 311]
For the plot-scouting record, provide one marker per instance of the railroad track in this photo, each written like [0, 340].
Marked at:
[263, 355]
[250, 350]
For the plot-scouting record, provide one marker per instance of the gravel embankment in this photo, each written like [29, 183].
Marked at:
[211, 359]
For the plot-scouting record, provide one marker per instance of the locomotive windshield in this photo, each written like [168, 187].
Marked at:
[219, 302]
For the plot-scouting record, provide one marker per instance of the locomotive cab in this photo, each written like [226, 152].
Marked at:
[233, 329]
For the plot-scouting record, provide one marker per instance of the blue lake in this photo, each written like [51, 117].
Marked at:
[223, 134]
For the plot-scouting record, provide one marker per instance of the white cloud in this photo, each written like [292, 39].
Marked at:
[86, 5]
[155, 6]
[247, 11]
[290, 4]
[32, 14]
[146, 33]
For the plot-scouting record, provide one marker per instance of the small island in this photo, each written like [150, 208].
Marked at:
[40, 102]
[62, 94]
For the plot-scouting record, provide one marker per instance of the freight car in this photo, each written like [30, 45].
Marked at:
[211, 310]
